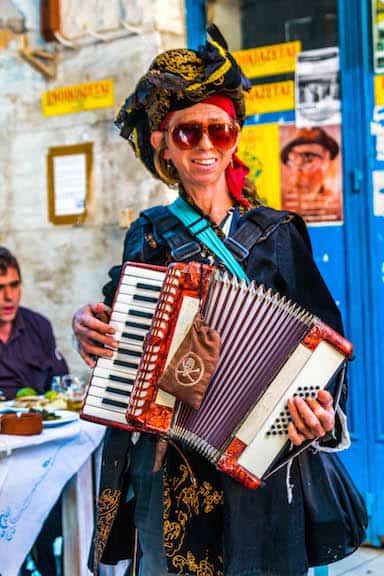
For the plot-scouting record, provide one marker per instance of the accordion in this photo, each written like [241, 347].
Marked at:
[272, 349]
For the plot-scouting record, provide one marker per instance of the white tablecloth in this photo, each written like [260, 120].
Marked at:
[33, 473]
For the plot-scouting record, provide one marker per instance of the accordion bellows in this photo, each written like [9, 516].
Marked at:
[272, 349]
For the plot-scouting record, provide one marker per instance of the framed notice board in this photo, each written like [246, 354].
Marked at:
[69, 177]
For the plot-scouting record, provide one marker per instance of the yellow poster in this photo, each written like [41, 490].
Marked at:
[379, 90]
[71, 99]
[259, 148]
[268, 60]
[271, 97]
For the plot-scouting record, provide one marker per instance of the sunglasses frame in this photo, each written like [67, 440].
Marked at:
[204, 128]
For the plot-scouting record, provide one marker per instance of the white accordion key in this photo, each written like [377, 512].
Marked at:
[112, 380]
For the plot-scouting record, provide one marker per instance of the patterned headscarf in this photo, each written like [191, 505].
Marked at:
[175, 80]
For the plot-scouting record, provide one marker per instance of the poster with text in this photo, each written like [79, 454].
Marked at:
[311, 172]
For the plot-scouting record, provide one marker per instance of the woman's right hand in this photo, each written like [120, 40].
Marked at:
[93, 333]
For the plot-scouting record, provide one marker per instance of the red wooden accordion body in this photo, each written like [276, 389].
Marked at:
[184, 289]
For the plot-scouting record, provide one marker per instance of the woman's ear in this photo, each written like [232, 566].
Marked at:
[156, 138]
[159, 143]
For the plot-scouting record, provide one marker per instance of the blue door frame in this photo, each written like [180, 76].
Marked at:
[365, 458]
[351, 256]
[195, 22]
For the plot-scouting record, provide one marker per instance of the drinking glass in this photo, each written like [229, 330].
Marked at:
[75, 391]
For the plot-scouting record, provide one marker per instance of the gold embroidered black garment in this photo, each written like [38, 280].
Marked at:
[107, 506]
[113, 538]
[193, 515]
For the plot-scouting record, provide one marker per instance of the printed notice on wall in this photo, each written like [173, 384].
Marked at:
[379, 90]
[268, 60]
[378, 192]
[377, 128]
[378, 35]
[70, 181]
[69, 171]
[317, 88]
[311, 173]
[271, 97]
[78, 98]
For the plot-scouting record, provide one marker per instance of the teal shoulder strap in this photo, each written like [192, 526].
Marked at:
[200, 228]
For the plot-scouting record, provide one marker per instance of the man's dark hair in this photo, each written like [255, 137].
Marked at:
[8, 260]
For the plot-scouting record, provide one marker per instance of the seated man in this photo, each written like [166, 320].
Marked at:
[28, 358]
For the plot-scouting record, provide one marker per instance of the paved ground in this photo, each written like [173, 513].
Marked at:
[364, 562]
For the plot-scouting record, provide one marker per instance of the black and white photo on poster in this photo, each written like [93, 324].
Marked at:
[378, 35]
[317, 88]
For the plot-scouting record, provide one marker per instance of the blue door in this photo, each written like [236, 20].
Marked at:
[350, 250]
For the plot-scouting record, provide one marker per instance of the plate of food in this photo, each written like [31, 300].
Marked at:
[50, 401]
[52, 418]
[7, 407]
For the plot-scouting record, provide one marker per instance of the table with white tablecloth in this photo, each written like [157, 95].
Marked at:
[34, 471]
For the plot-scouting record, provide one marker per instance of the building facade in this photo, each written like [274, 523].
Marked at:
[317, 73]
[65, 265]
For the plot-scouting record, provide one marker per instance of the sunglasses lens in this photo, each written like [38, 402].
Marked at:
[222, 135]
[187, 136]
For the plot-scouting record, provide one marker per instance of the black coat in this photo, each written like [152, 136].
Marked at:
[283, 262]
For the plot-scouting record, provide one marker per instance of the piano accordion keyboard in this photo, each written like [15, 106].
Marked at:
[113, 378]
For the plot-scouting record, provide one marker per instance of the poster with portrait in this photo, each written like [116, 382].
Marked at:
[311, 172]
[378, 35]
[317, 88]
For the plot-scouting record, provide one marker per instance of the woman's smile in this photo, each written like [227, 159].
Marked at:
[205, 162]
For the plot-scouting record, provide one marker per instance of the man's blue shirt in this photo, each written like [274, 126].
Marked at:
[30, 357]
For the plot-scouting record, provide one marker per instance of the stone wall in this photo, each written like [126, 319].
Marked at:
[66, 266]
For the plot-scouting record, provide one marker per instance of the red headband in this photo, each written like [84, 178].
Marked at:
[236, 171]
[223, 102]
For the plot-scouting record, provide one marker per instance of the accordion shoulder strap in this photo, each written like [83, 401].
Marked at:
[181, 242]
[200, 228]
[259, 224]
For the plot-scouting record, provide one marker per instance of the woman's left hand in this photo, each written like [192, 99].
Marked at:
[311, 417]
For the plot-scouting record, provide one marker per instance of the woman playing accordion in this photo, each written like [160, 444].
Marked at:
[183, 121]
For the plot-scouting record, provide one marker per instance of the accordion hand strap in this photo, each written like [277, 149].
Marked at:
[200, 228]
